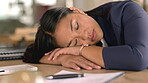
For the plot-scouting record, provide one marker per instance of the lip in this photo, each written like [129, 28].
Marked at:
[93, 37]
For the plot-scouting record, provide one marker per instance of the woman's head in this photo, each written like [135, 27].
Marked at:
[62, 27]
[77, 29]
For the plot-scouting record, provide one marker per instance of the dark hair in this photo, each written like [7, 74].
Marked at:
[44, 41]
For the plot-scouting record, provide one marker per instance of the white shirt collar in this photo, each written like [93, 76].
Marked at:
[104, 44]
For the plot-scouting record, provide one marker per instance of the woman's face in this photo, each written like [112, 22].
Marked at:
[77, 29]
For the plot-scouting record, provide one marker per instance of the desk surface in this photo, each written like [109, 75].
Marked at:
[130, 76]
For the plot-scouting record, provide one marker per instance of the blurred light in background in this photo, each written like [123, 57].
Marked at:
[46, 2]
[21, 9]
[4, 8]
[69, 3]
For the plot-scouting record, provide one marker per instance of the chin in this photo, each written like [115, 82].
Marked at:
[95, 42]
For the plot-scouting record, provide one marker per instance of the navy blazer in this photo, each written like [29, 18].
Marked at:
[125, 27]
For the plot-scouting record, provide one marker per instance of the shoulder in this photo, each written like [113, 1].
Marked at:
[110, 6]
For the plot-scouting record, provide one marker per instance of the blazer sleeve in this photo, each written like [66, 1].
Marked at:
[134, 54]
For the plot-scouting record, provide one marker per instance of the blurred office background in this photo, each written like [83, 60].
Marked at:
[19, 18]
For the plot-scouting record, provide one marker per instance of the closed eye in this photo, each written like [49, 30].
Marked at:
[77, 27]
[76, 42]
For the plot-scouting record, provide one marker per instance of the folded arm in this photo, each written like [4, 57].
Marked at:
[71, 61]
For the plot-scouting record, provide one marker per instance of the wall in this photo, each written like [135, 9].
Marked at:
[88, 4]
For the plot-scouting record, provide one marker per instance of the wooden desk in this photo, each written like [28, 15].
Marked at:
[130, 76]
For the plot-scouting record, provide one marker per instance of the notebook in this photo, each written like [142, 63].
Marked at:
[11, 53]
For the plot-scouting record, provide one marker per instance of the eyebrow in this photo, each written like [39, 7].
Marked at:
[71, 27]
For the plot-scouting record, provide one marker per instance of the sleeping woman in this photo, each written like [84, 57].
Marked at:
[113, 36]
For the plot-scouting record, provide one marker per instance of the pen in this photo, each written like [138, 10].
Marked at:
[64, 76]
[2, 70]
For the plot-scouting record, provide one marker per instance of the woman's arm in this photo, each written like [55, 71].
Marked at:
[71, 61]
[75, 62]
[94, 54]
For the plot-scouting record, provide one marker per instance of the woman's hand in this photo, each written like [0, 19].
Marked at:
[75, 50]
[71, 61]
[77, 62]
[77, 10]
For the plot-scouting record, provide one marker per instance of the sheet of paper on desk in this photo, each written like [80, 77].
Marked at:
[88, 78]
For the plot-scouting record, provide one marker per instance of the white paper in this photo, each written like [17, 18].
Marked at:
[14, 68]
[88, 78]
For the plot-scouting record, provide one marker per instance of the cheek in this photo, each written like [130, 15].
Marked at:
[62, 39]
[60, 42]
[89, 24]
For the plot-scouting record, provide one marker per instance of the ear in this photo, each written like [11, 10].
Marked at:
[77, 10]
